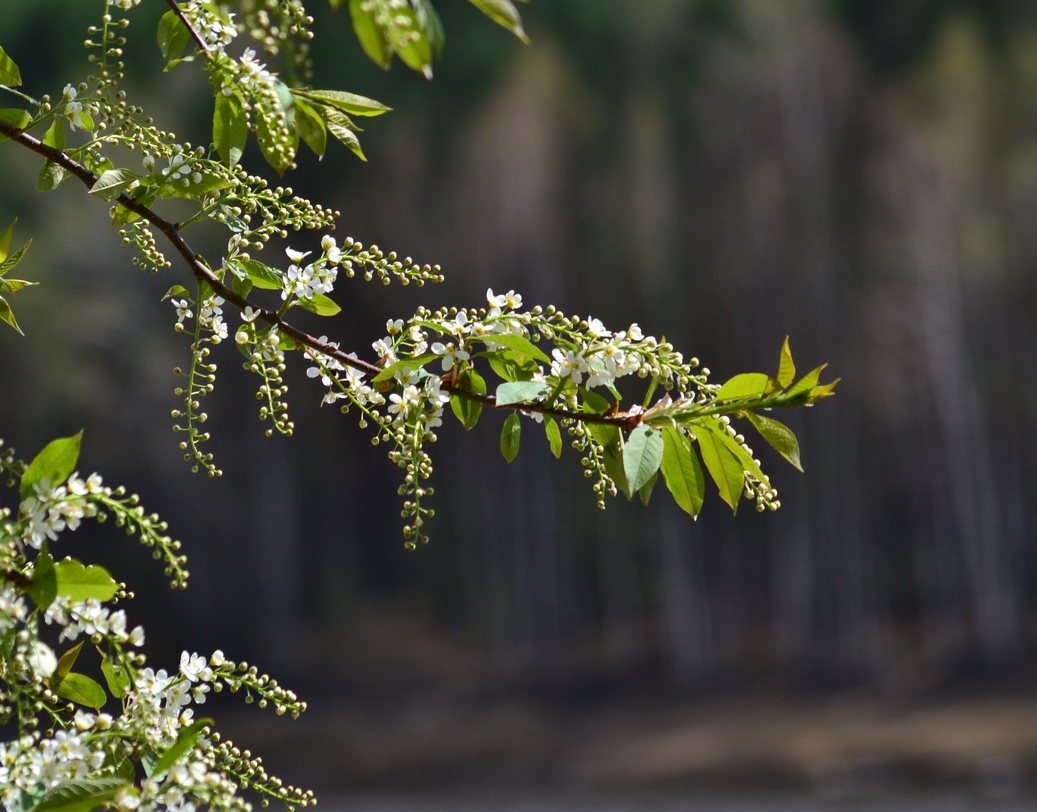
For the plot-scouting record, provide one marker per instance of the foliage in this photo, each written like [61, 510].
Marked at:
[543, 365]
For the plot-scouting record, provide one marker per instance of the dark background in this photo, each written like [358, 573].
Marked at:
[860, 175]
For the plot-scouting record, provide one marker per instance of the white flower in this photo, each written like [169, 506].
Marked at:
[183, 310]
[634, 332]
[296, 256]
[451, 354]
[597, 329]
[394, 327]
[217, 659]
[195, 667]
[136, 637]
[567, 364]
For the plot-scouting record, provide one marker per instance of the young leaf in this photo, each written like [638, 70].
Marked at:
[511, 365]
[229, 128]
[55, 136]
[338, 125]
[50, 177]
[7, 315]
[80, 688]
[9, 73]
[44, 586]
[54, 463]
[176, 290]
[65, 663]
[779, 436]
[116, 677]
[798, 394]
[682, 472]
[320, 304]
[80, 583]
[642, 455]
[372, 38]
[263, 276]
[594, 402]
[725, 470]
[464, 409]
[311, 127]
[185, 740]
[14, 259]
[554, 436]
[346, 102]
[413, 364]
[173, 36]
[80, 794]
[411, 41]
[746, 385]
[112, 182]
[514, 342]
[646, 490]
[5, 240]
[520, 392]
[509, 437]
[786, 368]
[504, 13]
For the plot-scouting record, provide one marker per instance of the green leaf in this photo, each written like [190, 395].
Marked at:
[642, 455]
[80, 794]
[554, 436]
[346, 102]
[511, 365]
[465, 409]
[338, 125]
[80, 583]
[414, 364]
[410, 41]
[229, 128]
[55, 136]
[779, 436]
[510, 436]
[9, 73]
[5, 240]
[7, 315]
[504, 13]
[65, 663]
[14, 259]
[263, 276]
[786, 368]
[173, 36]
[15, 285]
[319, 304]
[242, 287]
[514, 342]
[725, 470]
[50, 177]
[594, 402]
[646, 489]
[112, 182]
[185, 740]
[372, 38]
[80, 688]
[682, 472]
[43, 588]
[799, 394]
[311, 127]
[116, 677]
[612, 456]
[54, 463]
[743, 456]
[520, 392]
[746, 385]
[14, 117]
[176, 290]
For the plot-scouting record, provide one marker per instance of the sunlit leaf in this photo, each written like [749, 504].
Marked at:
[173, 36]
[346, 102]
[504, 13]
[185, 740]
[80, 794]
[746, 385]
[520, 392]
[64, 666]
[642, 455]
[80, 688]
[682, 472]
[554, 436]
[229, 128]
[786, 368]
[722, 465]
[54, 463]
[320, 304]
[80, 583]
[779, 436]
[9, 73]
[465, 409]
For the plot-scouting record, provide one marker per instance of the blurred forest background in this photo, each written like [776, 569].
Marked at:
[860, 175]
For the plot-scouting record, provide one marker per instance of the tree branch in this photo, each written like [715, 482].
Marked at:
[203, 273]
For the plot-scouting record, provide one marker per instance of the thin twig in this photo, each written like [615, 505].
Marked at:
[203, 273]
